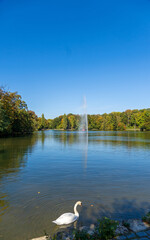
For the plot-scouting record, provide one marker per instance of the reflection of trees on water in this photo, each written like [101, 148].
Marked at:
[128, 144]
[13, 156]
[128, 139]
[14, 152]
[66, 137]
[4, 204]
[69, 137]
[43, 135]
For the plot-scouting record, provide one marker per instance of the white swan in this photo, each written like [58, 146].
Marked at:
[68, 218]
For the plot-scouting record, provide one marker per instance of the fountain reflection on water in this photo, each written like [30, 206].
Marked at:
[84, 129]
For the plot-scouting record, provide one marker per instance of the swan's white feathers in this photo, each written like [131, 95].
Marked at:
[66, 218]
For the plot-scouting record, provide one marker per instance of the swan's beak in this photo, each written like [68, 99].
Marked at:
[81, 204]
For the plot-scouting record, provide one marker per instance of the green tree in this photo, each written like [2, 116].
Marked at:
[43, 121]
[128, 114]
[72, 121]
[50, 123]
[65, 122]
[146, 125]
[4, 121]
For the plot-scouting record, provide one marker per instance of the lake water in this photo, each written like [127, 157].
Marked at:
[43, 175]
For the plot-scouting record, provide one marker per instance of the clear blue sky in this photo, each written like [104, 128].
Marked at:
[55, 52]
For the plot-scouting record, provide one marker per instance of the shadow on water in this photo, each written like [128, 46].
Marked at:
[120, 209]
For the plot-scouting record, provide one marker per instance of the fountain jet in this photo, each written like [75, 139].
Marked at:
[84, 120]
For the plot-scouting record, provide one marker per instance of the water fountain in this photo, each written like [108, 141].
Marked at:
[84, 120]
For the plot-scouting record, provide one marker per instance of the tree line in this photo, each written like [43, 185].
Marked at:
[17, 119]
[115, 121]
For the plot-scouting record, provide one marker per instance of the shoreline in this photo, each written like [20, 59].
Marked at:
[124, 230]
[18, 134]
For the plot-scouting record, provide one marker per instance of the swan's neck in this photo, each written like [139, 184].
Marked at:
[75, 210]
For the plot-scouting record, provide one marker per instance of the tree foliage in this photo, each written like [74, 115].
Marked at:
[15, 118]
[65, 122]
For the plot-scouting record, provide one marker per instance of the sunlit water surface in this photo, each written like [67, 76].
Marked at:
[43, 175]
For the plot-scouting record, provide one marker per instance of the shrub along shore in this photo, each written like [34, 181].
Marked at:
[17, 119]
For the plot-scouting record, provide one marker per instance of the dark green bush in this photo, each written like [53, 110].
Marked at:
[146, 218]
[126, 224]
[81, 235]
[106, 228]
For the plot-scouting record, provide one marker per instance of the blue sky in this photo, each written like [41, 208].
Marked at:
[55, 52]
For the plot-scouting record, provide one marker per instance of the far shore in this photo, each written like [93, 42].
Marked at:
[128, 129]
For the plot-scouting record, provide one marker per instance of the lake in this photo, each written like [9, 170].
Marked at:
[43, 175]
